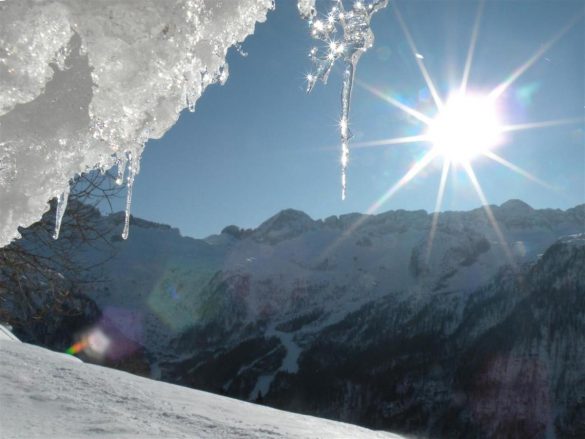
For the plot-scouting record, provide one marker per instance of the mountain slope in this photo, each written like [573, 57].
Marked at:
[291, 265]
[506, 361]
[358, 318]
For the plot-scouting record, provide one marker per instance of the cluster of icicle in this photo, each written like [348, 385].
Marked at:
[84, 84]
[346, 35]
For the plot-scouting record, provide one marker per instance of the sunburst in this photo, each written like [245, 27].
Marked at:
[467, 125]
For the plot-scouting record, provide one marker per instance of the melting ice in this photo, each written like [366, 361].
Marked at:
[355, 38]
[81, 81]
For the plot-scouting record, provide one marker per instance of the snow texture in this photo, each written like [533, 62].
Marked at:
[83, 85]
[290, 363]
[6, 334]
[45, 394]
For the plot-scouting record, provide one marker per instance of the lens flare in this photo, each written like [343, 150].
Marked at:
[94, 344]
[76, 348]
[98, 342]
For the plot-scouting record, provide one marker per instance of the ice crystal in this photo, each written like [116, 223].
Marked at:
[60, 211]
[355, 39]
[81, 81]
[306, 9]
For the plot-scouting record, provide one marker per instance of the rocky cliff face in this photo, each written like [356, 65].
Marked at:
[461, 341]
[365, 319]
[505, 361]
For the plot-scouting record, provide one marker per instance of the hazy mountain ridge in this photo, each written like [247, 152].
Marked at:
[357, 318]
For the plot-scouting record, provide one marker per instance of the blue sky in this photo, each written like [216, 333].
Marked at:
[260, 144]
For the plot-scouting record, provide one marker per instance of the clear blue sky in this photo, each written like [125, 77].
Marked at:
[259, 144]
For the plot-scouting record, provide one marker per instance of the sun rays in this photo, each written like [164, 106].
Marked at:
[458, 135]
[438, 204]
[472, 45]
[419, 59]
[412, 172]
[488, 210]
[502, 87]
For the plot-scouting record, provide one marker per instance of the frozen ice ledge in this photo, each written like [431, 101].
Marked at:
[83, 85]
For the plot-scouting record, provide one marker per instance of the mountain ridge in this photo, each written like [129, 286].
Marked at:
[510, 205]
[257, 313]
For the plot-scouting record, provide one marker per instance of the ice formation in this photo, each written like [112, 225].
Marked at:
[307, 9]
[83, 85]
[357, 37]
[60, 211]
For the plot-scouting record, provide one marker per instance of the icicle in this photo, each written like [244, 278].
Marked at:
[60, 211]
[121, 164]
[348, 76]
[133, 167]
[357, 39]
[42, 42]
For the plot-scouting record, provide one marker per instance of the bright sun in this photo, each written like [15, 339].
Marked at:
[466, 127]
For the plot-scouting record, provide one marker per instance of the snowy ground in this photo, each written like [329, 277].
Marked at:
[44, 394]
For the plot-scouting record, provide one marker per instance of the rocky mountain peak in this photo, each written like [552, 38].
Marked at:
[284, 225]
[515, 206]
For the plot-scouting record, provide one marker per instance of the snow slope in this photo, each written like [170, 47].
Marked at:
[5, 334]
[44, 394]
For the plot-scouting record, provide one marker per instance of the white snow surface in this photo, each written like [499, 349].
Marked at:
[84, 84]
[6, 334]
[43, 394]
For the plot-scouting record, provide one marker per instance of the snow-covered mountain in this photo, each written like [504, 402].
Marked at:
[291, 265]
[359, 318]
[45, 394]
